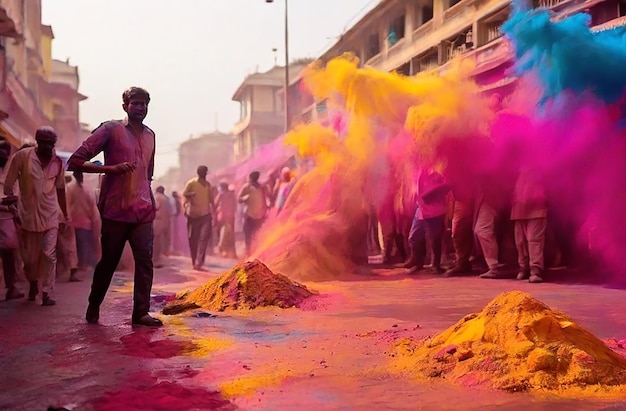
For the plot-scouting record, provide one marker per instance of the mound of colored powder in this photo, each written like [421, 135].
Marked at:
[517, 343]
[246, 286]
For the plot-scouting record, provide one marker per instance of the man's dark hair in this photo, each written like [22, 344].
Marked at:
[5, 146]
[135, 92]
[160, 189]
[45, 132]
[204, 169]
[255, 175]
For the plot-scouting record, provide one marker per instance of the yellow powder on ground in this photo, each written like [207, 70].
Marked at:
[246, 286]
[517, 343]
[248, 385]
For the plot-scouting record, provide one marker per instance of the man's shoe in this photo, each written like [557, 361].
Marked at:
[46, 301]
[522, 275]
[93, 314]
[32, 291]
[413, 270]
[410, 263]
[458, 269]
[492, 274]
[147, 321]
[73, 278]
[14, 294]
[535, 278]
[437, 270]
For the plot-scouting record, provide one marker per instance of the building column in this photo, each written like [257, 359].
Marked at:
[409, 19]
[438, 9]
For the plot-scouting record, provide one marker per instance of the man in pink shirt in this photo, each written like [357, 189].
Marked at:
[125, 202]
[225, 210]
[429, 221]
[81, 205]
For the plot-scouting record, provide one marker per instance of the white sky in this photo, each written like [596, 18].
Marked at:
[190, 54]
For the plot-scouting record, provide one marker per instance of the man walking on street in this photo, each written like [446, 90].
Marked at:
[254, 198]
[198, 195]
[41, 177]
[225, 210]
[8, 231]
[126, 203]
[161, 226]
[84, 216]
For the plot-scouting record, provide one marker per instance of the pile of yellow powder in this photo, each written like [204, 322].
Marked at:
[246, 286]
[517, 343]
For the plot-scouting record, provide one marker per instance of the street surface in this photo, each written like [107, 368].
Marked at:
[333, 354]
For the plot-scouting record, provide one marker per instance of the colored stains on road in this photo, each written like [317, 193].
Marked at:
[162, 396]
[140, 344]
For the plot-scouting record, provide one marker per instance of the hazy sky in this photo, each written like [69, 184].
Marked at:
[191, 55]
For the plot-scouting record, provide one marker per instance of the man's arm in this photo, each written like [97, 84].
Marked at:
[95, 144]
[60, 186]
[243, 194]
[12, 174]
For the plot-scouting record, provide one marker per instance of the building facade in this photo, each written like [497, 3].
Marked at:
[64, 100]
[214, 150]
[410, 36]
[261, 111]
[33, 87]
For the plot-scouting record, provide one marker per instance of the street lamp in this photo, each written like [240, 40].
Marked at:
[286, 91]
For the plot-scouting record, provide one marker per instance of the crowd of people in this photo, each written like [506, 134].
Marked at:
[49, 218]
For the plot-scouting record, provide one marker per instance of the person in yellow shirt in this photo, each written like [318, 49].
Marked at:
[198, 205]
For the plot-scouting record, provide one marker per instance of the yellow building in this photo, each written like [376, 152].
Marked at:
[35, 89]
[410, 36]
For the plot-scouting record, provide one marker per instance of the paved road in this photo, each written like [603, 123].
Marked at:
[333, 354]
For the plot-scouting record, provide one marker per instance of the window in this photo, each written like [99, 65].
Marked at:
[423, 13]
[455, 46]
[489, 28]
[427, 14]
[606, 11]
[373, 46]
[404, 69]
[396, 30]
[426, 61]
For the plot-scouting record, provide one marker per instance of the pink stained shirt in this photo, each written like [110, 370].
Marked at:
[435, 205]
[226, 206]
[529, 198]
[81, 206]
[125, 197]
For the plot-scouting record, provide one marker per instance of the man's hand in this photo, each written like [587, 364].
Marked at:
[13, 210]
[121, 168]
[64, 222]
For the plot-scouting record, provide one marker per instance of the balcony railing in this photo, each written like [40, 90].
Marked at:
[609, 25]
[423, 30]
[428, 65]
[396, 47]
[493, 32]
[455, 11]
[548, 4]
